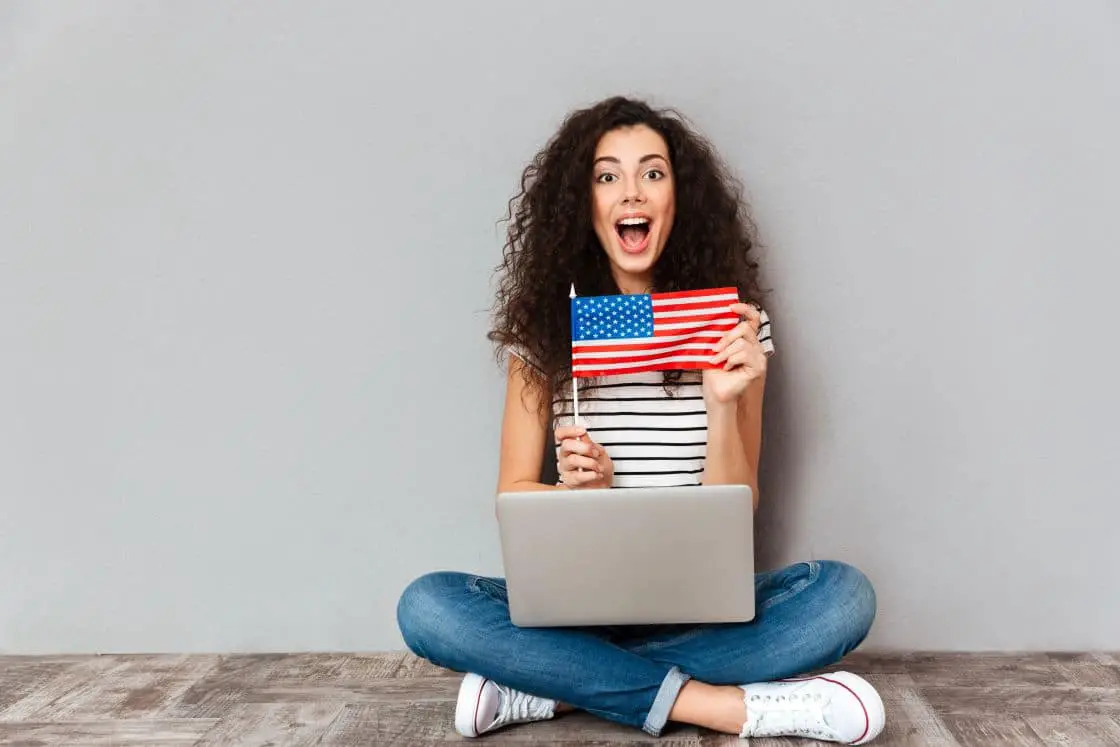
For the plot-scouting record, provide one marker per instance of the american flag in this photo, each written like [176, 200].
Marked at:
[649, 332]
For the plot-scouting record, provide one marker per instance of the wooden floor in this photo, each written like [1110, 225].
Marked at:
[394, 698]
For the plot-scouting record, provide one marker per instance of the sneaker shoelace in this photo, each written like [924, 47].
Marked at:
[800, 714]
[516, 707]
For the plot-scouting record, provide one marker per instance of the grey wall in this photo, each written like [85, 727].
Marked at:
[245, 255]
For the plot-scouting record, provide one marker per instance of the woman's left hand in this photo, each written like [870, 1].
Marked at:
[742, 357]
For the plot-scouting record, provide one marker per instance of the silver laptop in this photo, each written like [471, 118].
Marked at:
[628, 556]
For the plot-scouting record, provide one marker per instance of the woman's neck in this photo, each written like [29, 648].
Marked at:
[633, 284]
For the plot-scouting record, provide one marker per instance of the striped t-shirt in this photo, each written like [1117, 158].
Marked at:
[654, 438]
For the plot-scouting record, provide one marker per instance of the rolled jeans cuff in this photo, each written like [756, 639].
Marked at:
[658, 714]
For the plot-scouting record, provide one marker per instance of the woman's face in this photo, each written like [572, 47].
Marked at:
[633, 202]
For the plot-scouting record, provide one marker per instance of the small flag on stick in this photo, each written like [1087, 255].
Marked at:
[650, 331]
[575, 381]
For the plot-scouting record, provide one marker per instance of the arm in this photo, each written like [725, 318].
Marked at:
[735, 439]
[524, 430]
[581, 462]
[733, 399]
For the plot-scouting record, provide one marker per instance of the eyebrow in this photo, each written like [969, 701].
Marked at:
[643, 159]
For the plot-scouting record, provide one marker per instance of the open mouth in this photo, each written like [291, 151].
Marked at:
[633, 233]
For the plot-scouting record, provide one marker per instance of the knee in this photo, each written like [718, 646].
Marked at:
[852, 601]
[422, 608]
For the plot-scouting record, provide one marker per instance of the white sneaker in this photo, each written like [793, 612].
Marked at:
[837, 707]
[484, 706]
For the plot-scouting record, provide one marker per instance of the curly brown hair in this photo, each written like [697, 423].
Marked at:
[551, 242]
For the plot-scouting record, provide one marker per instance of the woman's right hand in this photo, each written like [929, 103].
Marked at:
[581, 462]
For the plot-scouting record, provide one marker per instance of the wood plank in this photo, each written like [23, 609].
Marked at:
[288, 690]
[392, 724]
[241, 679]
[911, 719]
[962, 669]
[864, 663]
[427, 723]
[1085, 669]
[153, 732]
[714, 739]
[956, 668]
[1107, 657]
[414, 666]
[152, 685]
[20, 677]
[275, 724]
[1022, 700]
[224, 686]
[374, 666]
[15, 660]
[583, 728]
[992, 730]
[1081, 731]
[396, 697]
[70, 681]
[134, 685]
[326, 667]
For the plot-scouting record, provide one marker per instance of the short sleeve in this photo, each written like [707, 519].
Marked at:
[764, 335]
[519, 352]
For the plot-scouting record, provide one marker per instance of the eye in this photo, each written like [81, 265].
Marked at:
[655, 174]
[606, 178]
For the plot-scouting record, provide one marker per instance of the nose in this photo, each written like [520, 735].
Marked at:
[632, 193]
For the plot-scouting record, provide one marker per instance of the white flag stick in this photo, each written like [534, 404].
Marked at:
[575, 381]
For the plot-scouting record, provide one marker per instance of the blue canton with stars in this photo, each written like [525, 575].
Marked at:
[612, 317]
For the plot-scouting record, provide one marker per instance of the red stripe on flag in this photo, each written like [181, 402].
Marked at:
[723, 306]
[700, 320]
[722, 327]
[692, 339]
[642, 369]
[693, 293]
[645, 357]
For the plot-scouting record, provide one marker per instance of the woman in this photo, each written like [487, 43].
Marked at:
[627, 199]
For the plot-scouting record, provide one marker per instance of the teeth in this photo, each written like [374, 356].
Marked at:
[633, 221]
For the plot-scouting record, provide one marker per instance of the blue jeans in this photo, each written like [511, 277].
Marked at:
[808, 616]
